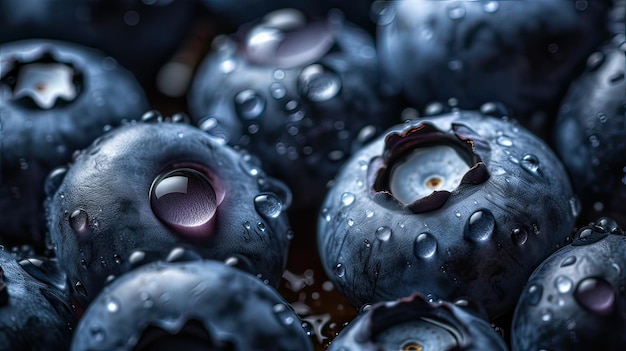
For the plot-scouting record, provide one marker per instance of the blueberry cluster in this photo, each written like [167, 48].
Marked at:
[325, 175]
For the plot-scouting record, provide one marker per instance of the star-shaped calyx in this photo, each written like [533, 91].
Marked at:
[44, 83]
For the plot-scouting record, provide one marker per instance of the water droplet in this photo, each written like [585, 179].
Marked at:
[546, 316]
[80, 288]
[433, 108]
[519, 236]
[97, 333]
[369, 213]
[279, 74]
[383, 233]
[350, 222]
[347, 199]
[284, 314]
[568, 261]
[575, 206]
[340, 270]
[596, 295]
[268, 205]
[491, 6]
[184, 200]
[112, 305]
[136, 257]
[479, 226]
[278, 90]
[79, 222]
[505, 141]
[366, 134]
[425, 245]
[534, 294]
[563, 284]
[249, 104]
[261, 226]
[456, 11]
[595, 60]
[318, 83]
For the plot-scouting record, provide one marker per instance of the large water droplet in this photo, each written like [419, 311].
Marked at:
[184, 200]
[136, 257]
[383, 233]
[268, 205]
[479, 226]
[491, 6]
[79, 222]
[563, 284]
[530, 163]
[319, 84]
[504, 140]
[249, 104]
[596, 295]
[456, 11]
[347, 199]
[425, 245]
[534, 294]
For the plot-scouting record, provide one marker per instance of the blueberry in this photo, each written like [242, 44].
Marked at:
[459, 204]
[415, 324]
[575, 299]
[199, 305]
[55, 97]
[144, 189]
[300, 94]
[520, 53]
[35, 312]
[590, 132]
[141, 35]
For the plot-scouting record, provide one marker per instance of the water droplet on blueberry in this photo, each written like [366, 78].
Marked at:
[596, 295]
[268, 205]
[425, 245]
[480, 226]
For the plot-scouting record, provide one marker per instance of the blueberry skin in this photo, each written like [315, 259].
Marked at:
[520, 53]
[302, 101]
[39, 134]
[141, 35]
[575, 299]
[198, 305]
[481, 238]
[413, 323]
[590, 132]
[32, 300]
[106, 216]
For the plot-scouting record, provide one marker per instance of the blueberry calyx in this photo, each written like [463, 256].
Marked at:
[463, 144]
[43, 80]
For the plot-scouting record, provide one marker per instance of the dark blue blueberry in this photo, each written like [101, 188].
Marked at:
[55, 98]
[35, 312]
[145, 189]
[575, 299]
[300, 94]
[415, 324]
[200, 305]
[520, 53]
[590, 132]
[459, 204]
[140, 34]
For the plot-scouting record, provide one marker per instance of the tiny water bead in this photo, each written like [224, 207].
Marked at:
[425, 245]
[383, 233]
[563, 284]
[185, 200]
[249, 104]
[268, 205]
[79, 222]
[426, 170]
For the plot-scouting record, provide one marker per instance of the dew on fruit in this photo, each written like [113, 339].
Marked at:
[563, 284]
[318, 84]
[184, 200]
[519, 236]
[595, 295]
[112, 304]
[136, 257]
[174, 255]
[268, 205]
[534, 294]
[383, 233]
[249, 104]
[97, 333]
[79, 222]
[456, 11]
[480, 226]
[491, 6]
[575, 206]
[425, 245]
[339, 270]
[504, 140]
[595, 60]
[80, 288]
[546, 316]
[284, 314]
[278, 90]
[568, 261]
